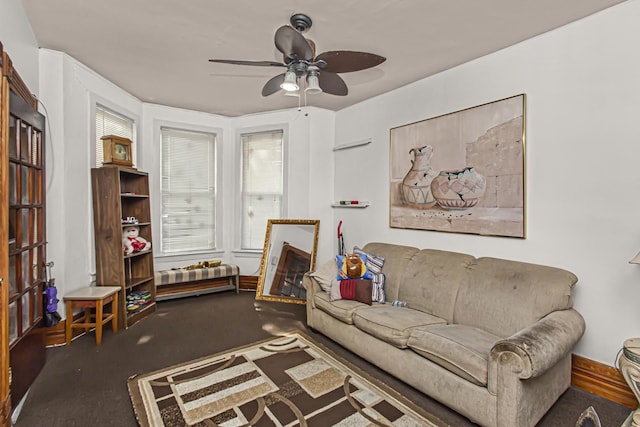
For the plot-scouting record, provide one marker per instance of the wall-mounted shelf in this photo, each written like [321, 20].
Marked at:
[351, 204]
[352, 144]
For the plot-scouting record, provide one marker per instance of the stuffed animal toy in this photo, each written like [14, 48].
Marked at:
[132, 242]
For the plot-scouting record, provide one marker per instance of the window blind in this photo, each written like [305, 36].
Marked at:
[110, 123]
[188, 191]
[262, 184]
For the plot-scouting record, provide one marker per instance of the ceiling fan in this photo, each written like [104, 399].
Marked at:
[318, 73]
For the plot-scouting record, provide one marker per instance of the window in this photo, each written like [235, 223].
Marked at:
[262, 184]
[110, 123]
[188, 189]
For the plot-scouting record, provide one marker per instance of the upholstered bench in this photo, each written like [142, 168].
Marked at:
[182, 282]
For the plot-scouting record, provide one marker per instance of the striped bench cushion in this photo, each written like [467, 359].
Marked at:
[169, 277]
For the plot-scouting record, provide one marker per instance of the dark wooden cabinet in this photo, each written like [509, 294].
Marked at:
[292, 266]
[120, 193]
[23, 237]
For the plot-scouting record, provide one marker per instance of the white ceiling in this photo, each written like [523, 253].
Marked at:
[158, 49]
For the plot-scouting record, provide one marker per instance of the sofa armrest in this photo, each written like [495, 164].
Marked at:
[539, 347]
[312, 287]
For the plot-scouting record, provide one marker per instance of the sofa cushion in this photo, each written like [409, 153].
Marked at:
[342, 309]
[392, 324]
[396, 258]
[463, 350]
[431, 281]
[504, 297]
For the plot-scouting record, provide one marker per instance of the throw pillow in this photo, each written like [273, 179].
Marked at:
[334, 295]
[377, 288]
[345, 261]
[374, 262]
[325, 273]
[358, 290]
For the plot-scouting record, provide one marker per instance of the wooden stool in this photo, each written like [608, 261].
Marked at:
[92, 297]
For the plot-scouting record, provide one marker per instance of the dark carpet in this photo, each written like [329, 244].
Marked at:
[86, 385]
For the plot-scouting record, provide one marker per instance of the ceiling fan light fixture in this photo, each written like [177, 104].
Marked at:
[313, 84]
[290, 83]
[304, 68]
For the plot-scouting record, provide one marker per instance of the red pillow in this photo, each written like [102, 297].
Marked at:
[356, 289]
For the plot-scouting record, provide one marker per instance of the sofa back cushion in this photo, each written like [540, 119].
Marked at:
[503, 297]
[431, 281]
[396, 258]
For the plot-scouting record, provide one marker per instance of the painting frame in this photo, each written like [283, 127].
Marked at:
[461, 172]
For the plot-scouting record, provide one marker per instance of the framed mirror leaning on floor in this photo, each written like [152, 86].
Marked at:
[289, 252]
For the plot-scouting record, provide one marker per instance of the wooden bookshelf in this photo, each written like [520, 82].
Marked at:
[120, 192]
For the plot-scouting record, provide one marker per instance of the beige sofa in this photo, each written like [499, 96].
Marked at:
[489, 338]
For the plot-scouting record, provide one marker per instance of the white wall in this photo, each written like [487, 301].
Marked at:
[582, 151]
[68, 91]
[19, 41]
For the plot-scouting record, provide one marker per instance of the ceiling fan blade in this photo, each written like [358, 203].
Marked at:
[292, 44]
[273, 85]
[256, 63]
[346, 61]
[332, 83]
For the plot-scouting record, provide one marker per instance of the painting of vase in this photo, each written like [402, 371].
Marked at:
[470, 178]
[458, 190]
[416, 185]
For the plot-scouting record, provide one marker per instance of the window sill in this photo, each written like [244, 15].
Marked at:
[191, 255]
[247, 253]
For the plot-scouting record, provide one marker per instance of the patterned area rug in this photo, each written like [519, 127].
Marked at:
[284, 381]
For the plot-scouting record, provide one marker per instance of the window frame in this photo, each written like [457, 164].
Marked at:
[96, 102]
[284, 128]
[219, 194]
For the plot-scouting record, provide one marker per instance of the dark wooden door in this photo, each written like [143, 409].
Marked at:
[26, 234]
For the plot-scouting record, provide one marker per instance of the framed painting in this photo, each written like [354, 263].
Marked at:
[462, 172]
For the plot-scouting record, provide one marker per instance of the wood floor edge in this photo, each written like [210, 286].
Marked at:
[602, 380]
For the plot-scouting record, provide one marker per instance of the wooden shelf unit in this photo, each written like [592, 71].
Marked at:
[120, 192]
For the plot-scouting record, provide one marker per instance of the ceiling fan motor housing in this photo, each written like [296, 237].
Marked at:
[300, 22]
[299, 67]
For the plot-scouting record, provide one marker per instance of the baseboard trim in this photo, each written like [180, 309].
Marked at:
[5, 407]
[248, 283]
[55, 335]
[602, 380]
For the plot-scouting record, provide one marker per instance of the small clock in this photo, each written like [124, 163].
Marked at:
[116, 151]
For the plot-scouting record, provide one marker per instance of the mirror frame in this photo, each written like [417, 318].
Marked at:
[265, 256]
